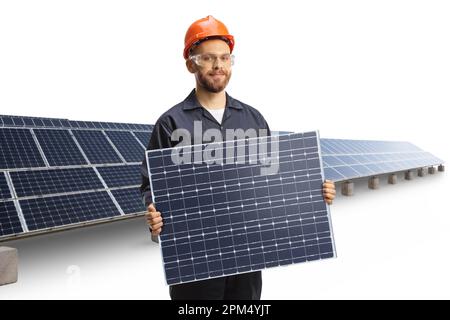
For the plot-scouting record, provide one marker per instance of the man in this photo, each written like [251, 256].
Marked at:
[208, 48]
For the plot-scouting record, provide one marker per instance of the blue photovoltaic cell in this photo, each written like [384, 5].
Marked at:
[59, 147]
[7, 121]
[127, 145]
[96, 147]
[18, 122]
[18, 149]
[121, 176]
[350, 159]
[57, 211]
[4, 189]
[129, 199]
[144, 137]
[232, 218]
[38, 122]
[9, 220]
[42, 182]
[29, 122]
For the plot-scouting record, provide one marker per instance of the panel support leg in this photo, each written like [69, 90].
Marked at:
[374, 183]
[347, 188]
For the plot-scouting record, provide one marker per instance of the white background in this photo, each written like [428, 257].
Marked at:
[352, 69]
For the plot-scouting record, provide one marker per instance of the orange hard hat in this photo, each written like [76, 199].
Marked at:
[204, 28]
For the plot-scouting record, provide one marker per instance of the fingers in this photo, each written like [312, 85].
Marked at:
[156, 228]
[154, 219]
[329, 191]
[152, 215]
[328, 184]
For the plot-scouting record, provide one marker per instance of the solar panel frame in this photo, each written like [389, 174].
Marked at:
[178, 253]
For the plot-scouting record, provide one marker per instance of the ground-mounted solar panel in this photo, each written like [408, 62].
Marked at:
[45, 162]
[54, 181]
[96, 147]
[130, 200]
[351, 159]
[121, 176]
[128, 146]
[58, 211]
[144, 137]
[234, 217]
[59, 147]
[18, 149]
[41, 162]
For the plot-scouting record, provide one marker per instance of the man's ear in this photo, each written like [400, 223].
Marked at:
[191, 66]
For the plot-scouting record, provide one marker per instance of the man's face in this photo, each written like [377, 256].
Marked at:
[210, 67]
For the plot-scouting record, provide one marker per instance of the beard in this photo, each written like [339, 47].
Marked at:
[214, 85]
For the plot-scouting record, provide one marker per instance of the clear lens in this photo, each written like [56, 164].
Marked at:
[207, 59]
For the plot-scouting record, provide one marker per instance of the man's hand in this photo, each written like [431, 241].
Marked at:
[329, 191]
[154, 220]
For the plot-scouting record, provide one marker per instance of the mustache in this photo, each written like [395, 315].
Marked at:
[214, 73]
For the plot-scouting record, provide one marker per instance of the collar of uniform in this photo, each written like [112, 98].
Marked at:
[191, 102]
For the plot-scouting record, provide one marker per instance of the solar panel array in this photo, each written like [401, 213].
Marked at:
[46, 160]
[57, 174]
[351, 159]
[230, 217]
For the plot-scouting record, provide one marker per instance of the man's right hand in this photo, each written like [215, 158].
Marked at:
[154, 220]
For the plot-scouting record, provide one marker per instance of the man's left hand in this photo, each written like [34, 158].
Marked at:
[329, 191]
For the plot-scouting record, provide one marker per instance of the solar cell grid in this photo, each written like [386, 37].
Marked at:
[227, 219]
[127, 145]
[129, 200]
[4, 189]
[144, 137]
[53, 181]
[57, 211]
[9, 220]
[96, 147]
[18, 149]
[59, 147]
[121, 176]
